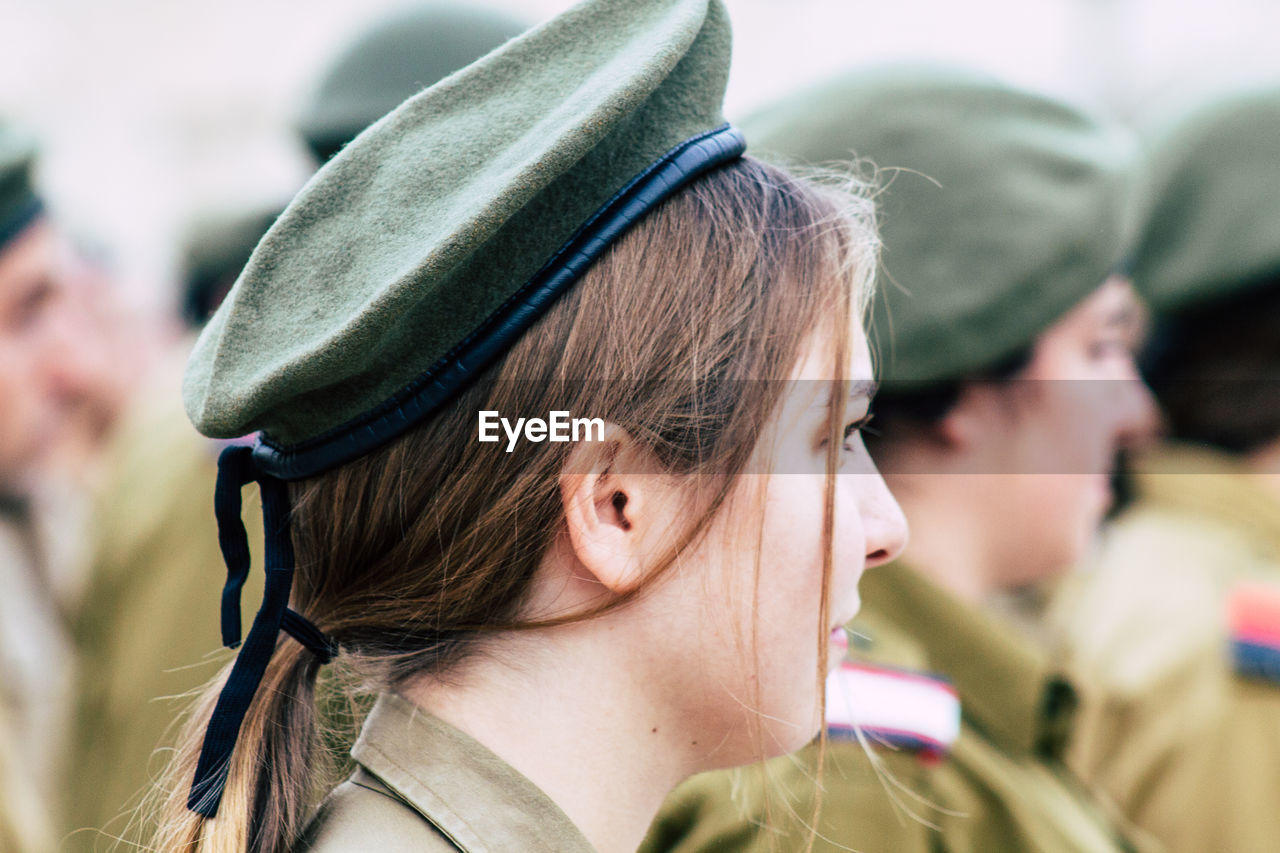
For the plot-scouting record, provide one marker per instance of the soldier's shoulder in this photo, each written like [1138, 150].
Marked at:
[1151, 605]
[361, 814]
[1253, 619]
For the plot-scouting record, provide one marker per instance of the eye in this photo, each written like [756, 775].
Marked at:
[28, 311]
[853, 428]
[1118, 346]
[1099, 350]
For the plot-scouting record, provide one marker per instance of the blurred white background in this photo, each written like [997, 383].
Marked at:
[151, 110]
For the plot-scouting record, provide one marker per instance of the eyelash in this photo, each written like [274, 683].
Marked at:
[1103, 348]
[858, 426]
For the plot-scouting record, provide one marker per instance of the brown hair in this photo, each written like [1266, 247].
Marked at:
[1213, 368]
[406, 557]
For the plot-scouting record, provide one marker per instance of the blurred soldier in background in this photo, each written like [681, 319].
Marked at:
[396, 57]
[34, 653]
[214, 250]
[1178, 622]
[55, 398]
[1008, 385]
[148, 633]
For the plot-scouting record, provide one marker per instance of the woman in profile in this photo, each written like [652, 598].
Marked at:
[558, 634]
[1009, 386]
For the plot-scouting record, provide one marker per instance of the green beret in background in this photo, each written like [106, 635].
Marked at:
[1002, 208]
[418, 254]
[391, 61]
[1212, 203]
[214, 251]
[396, 58]
[19, 204]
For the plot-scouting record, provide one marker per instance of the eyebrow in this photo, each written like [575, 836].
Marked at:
[1126, 315]
[863, 388]
[859, 389]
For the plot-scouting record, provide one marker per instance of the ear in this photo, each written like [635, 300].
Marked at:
[607, 507]
[967, 423]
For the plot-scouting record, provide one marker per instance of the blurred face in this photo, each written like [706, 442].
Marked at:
[1059, 427]
[745, 613]
[39, 359]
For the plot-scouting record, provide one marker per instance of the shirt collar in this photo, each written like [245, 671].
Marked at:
[1007, 687]
[471, 795]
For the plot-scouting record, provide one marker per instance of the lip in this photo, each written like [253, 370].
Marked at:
[837, 648]
[847, 615]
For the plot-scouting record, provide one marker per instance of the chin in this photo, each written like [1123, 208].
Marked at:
[788, 733]
[782, 739]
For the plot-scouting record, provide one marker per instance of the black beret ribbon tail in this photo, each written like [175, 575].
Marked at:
[236, 469]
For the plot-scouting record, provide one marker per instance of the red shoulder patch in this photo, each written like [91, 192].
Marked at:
[1253, 616]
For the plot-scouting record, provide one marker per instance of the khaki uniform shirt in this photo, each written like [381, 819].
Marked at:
[36, 675]
[426, 787]
[148, 630]
[1003, 787]
[1187, 747]
[25, 826]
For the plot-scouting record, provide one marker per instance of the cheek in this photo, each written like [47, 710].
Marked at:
[765, 625]
[791, 554]
[1054, 432]
[20, 388]
[789, 601]
[1081, 420]
[1058, 515]
[10, 384]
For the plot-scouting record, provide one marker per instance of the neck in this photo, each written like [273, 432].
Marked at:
[580, 731]
[948, 542]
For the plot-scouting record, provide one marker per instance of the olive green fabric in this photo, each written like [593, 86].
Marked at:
[1001, 208]
[1003, 787]
[423, 785]
[397, 57]
[1212, 203]
[427, 222]
[16, 194]
[1182, 743]
[146, 634]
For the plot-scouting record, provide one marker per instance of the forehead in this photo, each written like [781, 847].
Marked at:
[810, 392]
[817, 360]
[26, 257]
[1112, 302]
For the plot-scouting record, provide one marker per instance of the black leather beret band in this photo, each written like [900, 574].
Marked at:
[444, 379]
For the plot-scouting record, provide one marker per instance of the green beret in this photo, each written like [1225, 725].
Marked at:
[396, 58]
[425, 248]
[1213, 203]
[1001, 208]
[19, 204]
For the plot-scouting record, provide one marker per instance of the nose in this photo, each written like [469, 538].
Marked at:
[885, 525]
[68, 368]
[1137, 415]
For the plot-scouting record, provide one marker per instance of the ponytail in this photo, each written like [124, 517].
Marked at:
[270, 787]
